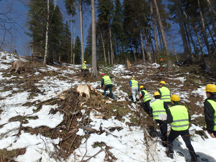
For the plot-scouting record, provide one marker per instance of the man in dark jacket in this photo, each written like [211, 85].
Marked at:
[210, 109]
[179, 118]
[108, 85]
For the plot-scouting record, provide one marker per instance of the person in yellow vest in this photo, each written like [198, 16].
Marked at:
[164, 92]
[210, 109]
[179, 118]
[108, 85]
[159, 107]
[84, 68]
[146, 99]
[134, 86]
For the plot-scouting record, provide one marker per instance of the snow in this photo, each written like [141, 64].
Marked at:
[127, 144]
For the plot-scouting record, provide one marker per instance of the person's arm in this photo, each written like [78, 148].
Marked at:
[138, 88]
[165, 106]
[169, 117]
[143, 94]
[189, 117]
[159, 92]
[102, 82]
[130, 84]
[209, 116]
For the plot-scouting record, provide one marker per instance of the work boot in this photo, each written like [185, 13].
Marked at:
[105, 96]
[164, 143]
[170, 155]
[114, 97]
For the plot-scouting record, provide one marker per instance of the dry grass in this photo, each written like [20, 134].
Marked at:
[8, 156]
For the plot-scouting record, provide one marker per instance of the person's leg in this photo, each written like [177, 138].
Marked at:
[186, 137]
[137, 93]
[110, 88]
[172, 136]
[83, 72]
[105, 89]
[133, 91]
[163, 129]
[148, 106]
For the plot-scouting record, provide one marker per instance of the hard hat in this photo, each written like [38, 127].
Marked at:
[141, 86]
[132, 78]
[162, 82]
[84, 61]
[210, 88]
[102, 74]
[175, 98]
[156, 93]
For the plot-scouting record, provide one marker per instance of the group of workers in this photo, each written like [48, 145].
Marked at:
[168, 106]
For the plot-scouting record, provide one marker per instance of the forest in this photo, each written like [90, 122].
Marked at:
[137, 30]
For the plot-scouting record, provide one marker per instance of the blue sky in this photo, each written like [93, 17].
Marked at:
[19, 40]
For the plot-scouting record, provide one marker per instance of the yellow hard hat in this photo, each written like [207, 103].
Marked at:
[132, 78]
[175, 98]
[156, 93]
[141, 86]
[162, 82]
[84, 61]
[210, 88]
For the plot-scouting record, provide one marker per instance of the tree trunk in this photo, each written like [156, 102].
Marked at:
[108, 56]
[73, 52]
[203, 28]
[94, 56]
[47, 32]
[200, 44]
[71, 38]
[55, 4]
[81, 30]
[123, 55]
[111, 48]
[182, 31]
[173, 46]
[154, 29]
[134, 54]
[188, 38]
[142, 48]
[159, 34]
[103, 44]
[213, 13]
[210, 33]
[161, 28]
[147, 48]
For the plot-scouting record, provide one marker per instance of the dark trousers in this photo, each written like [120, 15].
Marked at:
[147, 107]
[84, 72]
[163, 129]
[109, 86]
[186, 137]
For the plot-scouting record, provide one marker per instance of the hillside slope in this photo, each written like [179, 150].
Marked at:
[36, 125]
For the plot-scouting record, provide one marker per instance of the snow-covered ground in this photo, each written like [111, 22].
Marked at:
[127, 144]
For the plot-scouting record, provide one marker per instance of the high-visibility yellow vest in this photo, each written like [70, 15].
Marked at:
[213, 104]
[107, 80]
[146, 97]
[165, 94]
[180, 118]
[134, 83]
[84, 66]
[157, 108]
